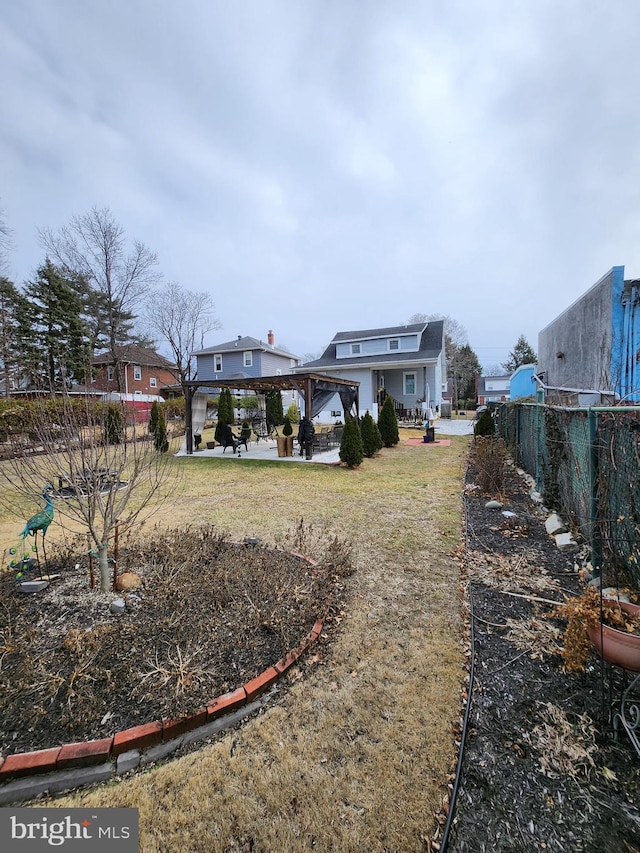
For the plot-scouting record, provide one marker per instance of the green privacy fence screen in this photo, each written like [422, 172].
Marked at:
[586, 463]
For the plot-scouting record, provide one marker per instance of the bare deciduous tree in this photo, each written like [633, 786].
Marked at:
[97, 485]
[182, 318]
[94, 246]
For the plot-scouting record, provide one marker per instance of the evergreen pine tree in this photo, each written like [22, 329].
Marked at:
[371, 438]
[52, 334]
[11, 304]
[351, 449]
[388, 423]
[522, 353]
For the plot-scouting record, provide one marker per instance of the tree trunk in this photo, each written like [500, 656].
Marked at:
[105, 572]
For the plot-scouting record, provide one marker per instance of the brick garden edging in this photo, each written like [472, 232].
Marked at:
[25, 775]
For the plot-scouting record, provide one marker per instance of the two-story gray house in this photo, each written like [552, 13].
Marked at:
[407, 362]
[244, 358]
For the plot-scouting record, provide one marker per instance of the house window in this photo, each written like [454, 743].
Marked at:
[248, 359]
[153, 382]
[137, 372]
[355, 349]
[394, 344]
[409, 382]
[336, 414]
[217, 363]
[110, 373]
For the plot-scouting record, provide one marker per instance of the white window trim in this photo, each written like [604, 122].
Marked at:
[137, 373]
[110, 373]
[153, 382]
[356, 349]
[393, 341]
[217, 360]
[405, 375]
[247, 358]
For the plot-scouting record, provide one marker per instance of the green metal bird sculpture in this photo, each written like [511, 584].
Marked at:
[38, 522]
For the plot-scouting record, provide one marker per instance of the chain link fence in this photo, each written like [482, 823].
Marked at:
[586, 463]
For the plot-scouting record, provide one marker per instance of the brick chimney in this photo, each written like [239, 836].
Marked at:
[270, 338]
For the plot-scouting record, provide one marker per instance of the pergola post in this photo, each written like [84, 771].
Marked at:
[189, 393]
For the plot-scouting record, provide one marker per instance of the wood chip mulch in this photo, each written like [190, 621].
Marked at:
[209, 616]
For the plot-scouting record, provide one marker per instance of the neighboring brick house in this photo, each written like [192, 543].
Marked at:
[145, 373]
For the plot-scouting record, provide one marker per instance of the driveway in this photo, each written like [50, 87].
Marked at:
[453, 426]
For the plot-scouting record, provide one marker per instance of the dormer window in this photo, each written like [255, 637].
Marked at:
[355, 349]
[394, 344]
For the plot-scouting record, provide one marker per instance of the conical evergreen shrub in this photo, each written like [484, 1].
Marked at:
[153, 418]
[485, 425]
[159, 431]
[371, 438]
[114, 426]
[388, 423]
[351, 449]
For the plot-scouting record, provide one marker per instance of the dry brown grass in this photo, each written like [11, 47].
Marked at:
[355, 754]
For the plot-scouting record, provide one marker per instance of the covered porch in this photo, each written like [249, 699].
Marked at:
[315, 390]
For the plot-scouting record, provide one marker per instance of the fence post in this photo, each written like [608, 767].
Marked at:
[539, 410]
[596, 540]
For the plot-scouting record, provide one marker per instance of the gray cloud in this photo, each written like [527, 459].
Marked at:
[335, 165]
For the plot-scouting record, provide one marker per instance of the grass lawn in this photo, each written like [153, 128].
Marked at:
[355, 752]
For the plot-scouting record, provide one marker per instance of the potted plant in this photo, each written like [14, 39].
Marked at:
[287, 431]
[611, 626]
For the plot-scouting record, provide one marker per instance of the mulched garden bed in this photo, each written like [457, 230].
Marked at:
[210, 615]
[541, 769]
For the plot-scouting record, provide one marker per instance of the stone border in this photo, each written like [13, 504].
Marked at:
[25, 775]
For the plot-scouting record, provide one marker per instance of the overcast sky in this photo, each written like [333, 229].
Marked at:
[327, 165]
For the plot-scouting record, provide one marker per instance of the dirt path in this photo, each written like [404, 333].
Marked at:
[355, 752]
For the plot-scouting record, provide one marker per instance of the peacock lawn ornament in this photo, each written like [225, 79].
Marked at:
[38, 522]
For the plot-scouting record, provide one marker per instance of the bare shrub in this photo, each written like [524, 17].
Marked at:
[489, 457]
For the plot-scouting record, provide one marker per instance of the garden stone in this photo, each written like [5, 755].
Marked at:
[535, 496]
[554, 525]
[33, 586]
[128, 581]
[566, 543]
[117, 606]
[508, 514]
[493, 505]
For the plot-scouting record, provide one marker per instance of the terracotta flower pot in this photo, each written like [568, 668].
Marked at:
[618, 647]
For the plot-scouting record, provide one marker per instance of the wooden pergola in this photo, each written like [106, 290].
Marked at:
[316, 390]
